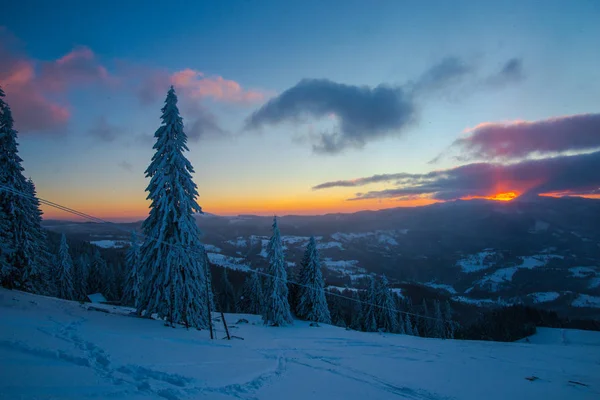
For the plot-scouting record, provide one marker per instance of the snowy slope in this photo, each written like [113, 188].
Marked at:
[54, 349]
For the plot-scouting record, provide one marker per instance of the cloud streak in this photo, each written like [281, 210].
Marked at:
[522, 139]
[575, 174]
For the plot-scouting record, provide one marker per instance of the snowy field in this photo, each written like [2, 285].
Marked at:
[55, 349]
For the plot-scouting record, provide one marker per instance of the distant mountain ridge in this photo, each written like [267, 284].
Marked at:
[540, 251]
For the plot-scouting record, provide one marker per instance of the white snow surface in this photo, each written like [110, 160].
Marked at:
[492, 282]
[330, 245]
[582, 272]
[479, 302]
[478, 261]
[239, 242]
[56, 349]
[585, 300]
[228, 262]
[383, 237]
[212, 248]
[441, 286]
[551, 336]
[110, 244]
[544, 297]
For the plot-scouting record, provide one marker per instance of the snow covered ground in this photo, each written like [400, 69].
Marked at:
[544, 297]
[52, 349]
[110, 244]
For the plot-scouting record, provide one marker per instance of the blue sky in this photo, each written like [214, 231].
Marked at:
[268, 47]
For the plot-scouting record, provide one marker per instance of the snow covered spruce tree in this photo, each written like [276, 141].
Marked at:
[171, 261]
[439, 330]
[81, 269]
[450, 324]
[24, 257]
[277, 308]
[386, 312]
[36, 274]
[312, 304]
[64, 270]
[370, 312]
[133, 280]
[96, 273]
[252, 301]
[226, 294]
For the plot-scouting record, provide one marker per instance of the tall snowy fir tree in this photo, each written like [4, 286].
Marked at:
[64, 278]
[22, 241]
[174, 285]
[371, 307]
[277, 308]
[408, 326]
[96, 273]
[81, 268]
[133, 280]
[253, 294]
[449, 323]
[36, 274]
[426, 326]
[386, 311]
[357, 316]
[226, 294]
[312, 304]
[439, 330]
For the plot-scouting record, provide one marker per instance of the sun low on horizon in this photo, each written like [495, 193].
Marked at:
[303, 109]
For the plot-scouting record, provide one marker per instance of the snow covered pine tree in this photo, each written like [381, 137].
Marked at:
[64, 269]
[312, 304]
[277, 308]
[385, 313]
[171, 261]
[24, 255]
[133, 281]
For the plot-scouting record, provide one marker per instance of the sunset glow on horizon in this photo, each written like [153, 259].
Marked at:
[284, 120]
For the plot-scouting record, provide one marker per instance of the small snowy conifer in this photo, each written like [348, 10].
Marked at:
[133, 281]
[385, 313]
[64, 271]
[371, 307]
[312, 304]
[226, 294]
[277, 308]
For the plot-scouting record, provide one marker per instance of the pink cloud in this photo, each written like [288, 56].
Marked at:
[31, 109]
[32, 88]
[75, 68]
[522, 139]
[194, 84]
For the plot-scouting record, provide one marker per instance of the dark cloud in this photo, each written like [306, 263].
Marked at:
[576, 174]
[199, 122]
[511, 72]
[517, 140]
[364, 113]
[449, 71]
[127, 166]
[104, 131]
